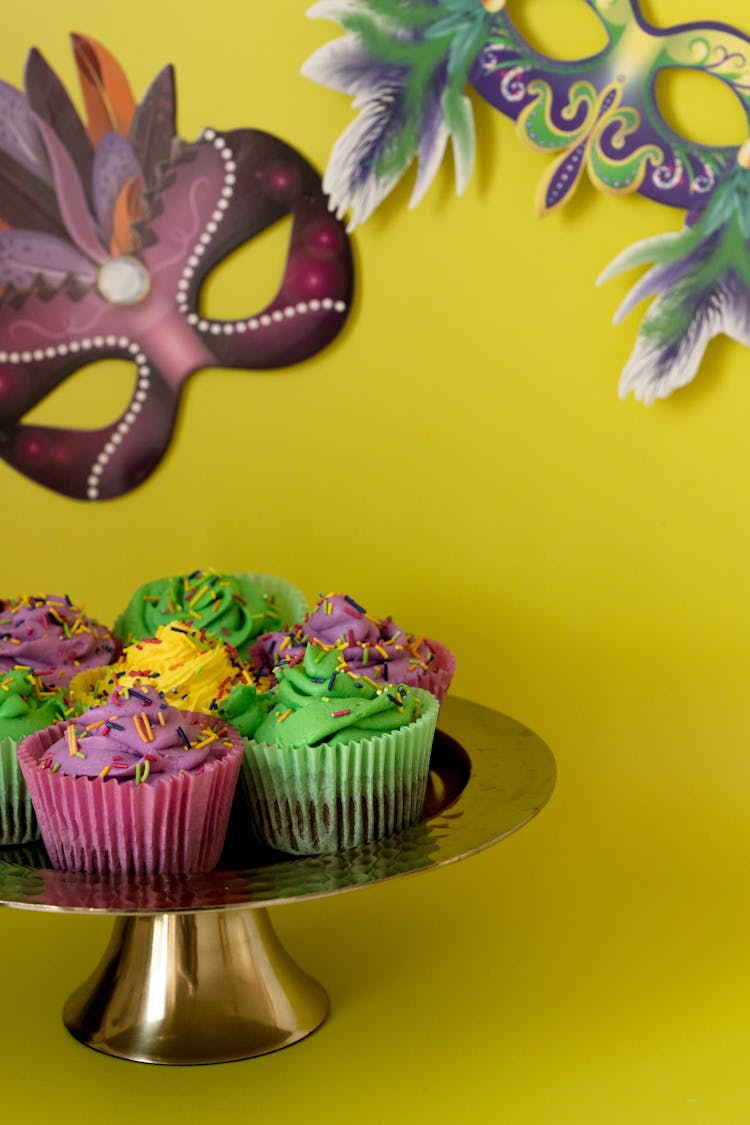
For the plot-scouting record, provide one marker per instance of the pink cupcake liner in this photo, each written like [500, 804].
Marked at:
[439, 672]
[173, 825]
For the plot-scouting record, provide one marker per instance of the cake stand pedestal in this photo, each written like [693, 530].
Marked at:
[194, 972]
[195, 988]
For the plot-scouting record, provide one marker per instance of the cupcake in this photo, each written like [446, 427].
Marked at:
[232, 608]
[25, 706]
[53, 637]
[369, 646]
[338, 761]
[133, 785]
[190, 670]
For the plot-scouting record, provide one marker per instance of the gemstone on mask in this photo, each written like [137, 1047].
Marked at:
[123, 280]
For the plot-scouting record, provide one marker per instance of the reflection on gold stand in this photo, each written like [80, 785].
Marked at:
[195, 988]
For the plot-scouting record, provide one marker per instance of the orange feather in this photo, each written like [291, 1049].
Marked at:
[109, 101]
[128, 210]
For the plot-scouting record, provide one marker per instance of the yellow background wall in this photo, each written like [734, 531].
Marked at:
[459, 457]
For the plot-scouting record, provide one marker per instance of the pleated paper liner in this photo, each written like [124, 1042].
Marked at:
[289, 601]
[439, 672]
[168, 825]
[319, 799]
[18, 824]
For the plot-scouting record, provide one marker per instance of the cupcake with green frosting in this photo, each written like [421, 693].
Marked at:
[246, 707]
[337, 761]
[232, 608]
[26, 706]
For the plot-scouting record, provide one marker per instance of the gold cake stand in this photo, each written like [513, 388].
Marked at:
[194, 972]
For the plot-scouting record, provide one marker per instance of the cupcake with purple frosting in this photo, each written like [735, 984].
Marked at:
[133, 785]
[373, 647]
[53, 637]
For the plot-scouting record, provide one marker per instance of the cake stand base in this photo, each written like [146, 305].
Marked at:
[194, 972]
[182, 989]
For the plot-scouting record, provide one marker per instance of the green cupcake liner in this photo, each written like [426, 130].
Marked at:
[290, 601]
[315, 800]
[18, 824]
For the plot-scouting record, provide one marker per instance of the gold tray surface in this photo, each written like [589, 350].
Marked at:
[489, 775]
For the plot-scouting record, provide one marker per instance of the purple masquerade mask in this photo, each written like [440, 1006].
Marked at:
[106, 236]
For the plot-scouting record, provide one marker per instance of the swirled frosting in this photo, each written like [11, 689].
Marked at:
[191, 671]
[230, 607]
[134, 736]
[318, 700]
[53, 637]
[370, 646]
[245, 708]
[26, 705]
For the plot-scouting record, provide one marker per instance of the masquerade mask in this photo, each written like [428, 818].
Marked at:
[601, 113]
[408, 67]
[110, 233]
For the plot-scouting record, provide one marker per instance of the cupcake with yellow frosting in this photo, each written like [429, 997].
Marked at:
[190, 670]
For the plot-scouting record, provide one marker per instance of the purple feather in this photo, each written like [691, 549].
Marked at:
[19, 137]
[154, 126]
[27, 256]
[665, 276]
[355, 176]
[114, 164]
[345, 64]
[663, 361]
[50, 100]
[433, 137]
[365, 163]
[26, 201]
[70, 196]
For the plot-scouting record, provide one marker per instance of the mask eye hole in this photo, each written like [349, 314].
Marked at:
[559, 29]
[700, 107]
[88, 399]
[249, 278]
